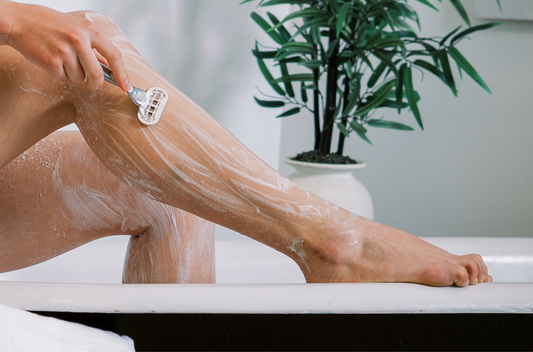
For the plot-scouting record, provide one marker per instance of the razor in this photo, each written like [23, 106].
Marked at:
[151, 102]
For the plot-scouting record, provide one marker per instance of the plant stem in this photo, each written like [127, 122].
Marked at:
[342, 137]
[331, 97]
[316, 112]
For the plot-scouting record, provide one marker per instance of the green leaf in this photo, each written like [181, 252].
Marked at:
[449, 35]
[290, 112]
[331, 48]
[360, 130]
[269, 78]
[443, 56]
[303, 92]
[343, 129]
[270, 103]
[376, 99]
[386, 58]
[427, 3]
[407, 34]
[389, 124]
[411, 95]
[432, 51]
[282, 2]
[467, 67]
[474, 29]
[459, 7]
[333, 5]
[279, 26]
[264, 54]
[342, 16]
[389, 42]
[308, 12]
[389, 103]
[296, 60]
[285, 73]
[311, 64]
[353, 99]
[366, 60]
[267, 28]
[298, 48]
[399, 88]
[429, 67]
[304, 77]
[376, 75]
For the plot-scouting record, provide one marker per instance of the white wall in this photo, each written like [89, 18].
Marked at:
[469, 173]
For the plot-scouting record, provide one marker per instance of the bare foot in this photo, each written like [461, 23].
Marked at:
[384, 254]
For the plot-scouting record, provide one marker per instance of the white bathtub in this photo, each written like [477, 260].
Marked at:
[253, 279]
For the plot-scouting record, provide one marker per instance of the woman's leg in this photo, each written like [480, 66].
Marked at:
[57, 196]
[189, 161]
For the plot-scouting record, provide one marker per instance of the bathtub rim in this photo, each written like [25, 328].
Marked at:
[365, 298]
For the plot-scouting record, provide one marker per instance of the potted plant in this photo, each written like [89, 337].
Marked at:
[344, 60]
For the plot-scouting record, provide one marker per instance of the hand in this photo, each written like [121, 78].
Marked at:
[61, 44]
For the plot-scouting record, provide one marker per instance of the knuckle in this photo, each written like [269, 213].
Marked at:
[53, 64]
[94, 73]
[115, 54]
[76, 38]
[89, 26]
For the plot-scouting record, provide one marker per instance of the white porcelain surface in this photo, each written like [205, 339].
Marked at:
[335, 183]
[246, 272]
[287, 298]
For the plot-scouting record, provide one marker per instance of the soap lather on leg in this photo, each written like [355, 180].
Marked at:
[58, 196]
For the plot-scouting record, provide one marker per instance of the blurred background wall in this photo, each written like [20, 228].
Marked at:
[468, 174]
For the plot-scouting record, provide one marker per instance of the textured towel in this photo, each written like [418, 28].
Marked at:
[24, 331]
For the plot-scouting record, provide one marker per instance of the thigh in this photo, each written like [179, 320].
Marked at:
[57, 196]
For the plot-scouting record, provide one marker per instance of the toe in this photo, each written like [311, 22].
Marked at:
[462, 277]
[473, 272]
[476, 268]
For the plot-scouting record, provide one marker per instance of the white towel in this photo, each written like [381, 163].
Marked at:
[24, 331]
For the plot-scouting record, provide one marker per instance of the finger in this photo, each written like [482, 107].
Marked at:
[100, 57]
[108, 50]
[74, 70]
[92, 69]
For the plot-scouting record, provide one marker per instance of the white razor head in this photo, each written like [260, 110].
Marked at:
[150, 111]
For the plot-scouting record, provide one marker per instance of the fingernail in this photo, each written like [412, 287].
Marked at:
[128, 85]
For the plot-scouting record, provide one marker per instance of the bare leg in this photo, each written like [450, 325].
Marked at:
[187, 160]
[58, 196]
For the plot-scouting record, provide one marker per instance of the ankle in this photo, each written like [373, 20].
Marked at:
[330, 250]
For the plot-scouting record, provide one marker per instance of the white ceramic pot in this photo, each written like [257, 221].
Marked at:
[335, 183]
